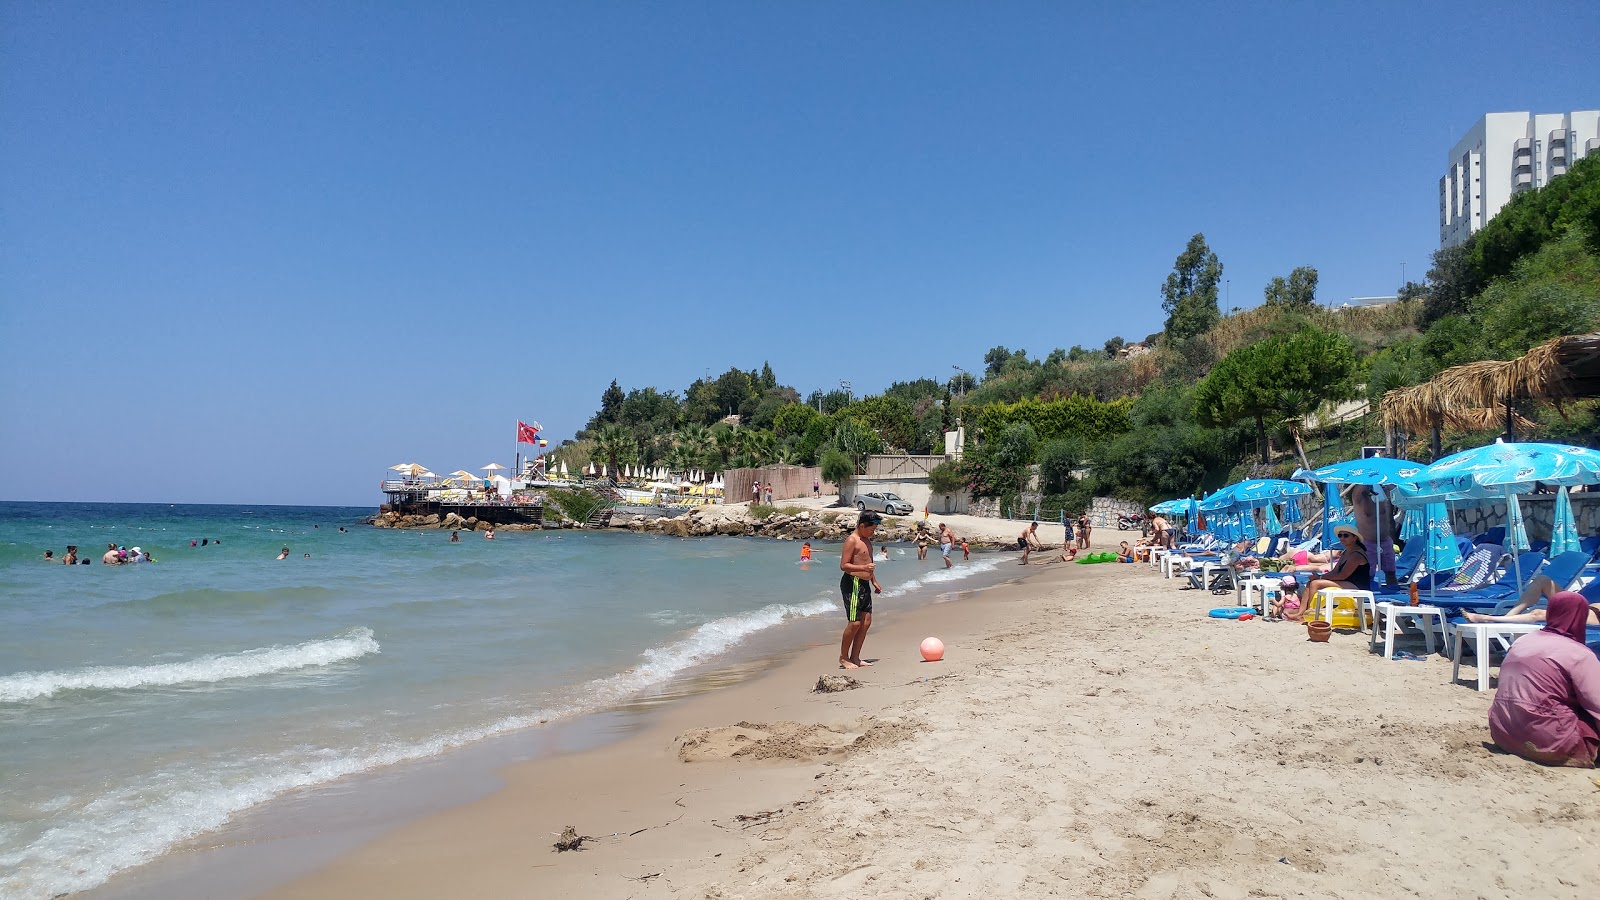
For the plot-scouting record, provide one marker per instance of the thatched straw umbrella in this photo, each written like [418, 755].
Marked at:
[1479, 396]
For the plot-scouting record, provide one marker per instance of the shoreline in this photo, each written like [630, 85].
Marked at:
[1091, 733]
[590, 791]
[319, 824]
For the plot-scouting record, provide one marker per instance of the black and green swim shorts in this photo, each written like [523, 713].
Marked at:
[857, 594]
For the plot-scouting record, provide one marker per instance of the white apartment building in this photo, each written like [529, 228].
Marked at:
[1503, 155]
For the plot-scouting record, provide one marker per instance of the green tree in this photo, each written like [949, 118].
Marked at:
[890, 417]
[944, 479]
[1255, 381]
[615, 444]
[837, 467]
[1297, 292]
[1189, 296]
[794, 419]
[1058, 459]
[994, 362]
[1016, 447]
[1452, 281]
[1114, 347]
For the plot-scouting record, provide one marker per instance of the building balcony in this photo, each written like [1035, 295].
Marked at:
[1522, 180]
[1522, 145]
[1559, 136]
[1523, 165]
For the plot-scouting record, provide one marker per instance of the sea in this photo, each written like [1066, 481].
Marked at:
[146, 705]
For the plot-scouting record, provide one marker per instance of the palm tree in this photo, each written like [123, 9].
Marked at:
[727, 440]
[759, 446]
[1296, 405]
[696, 439]
[615, 444]
[681, 459]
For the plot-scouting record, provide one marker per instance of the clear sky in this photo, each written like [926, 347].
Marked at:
[259, 252]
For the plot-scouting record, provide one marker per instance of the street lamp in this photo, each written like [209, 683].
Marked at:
[844, 384]
[962, 392]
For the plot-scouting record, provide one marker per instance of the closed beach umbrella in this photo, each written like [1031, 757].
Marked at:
[1443, 552]
[1292, 513]
[1516, 530]
[1332, 514]
[563, 467]
[1273, 525]
[1564, 531]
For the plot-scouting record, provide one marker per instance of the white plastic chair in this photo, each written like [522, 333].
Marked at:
[1482, 634]
[1428, 619]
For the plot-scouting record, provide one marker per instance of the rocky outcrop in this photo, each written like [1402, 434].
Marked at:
[701, 521]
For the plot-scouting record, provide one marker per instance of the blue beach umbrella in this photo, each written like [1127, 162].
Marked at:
[1564, 530]
[1247, 525]
[1413, 524]
[1377, 470]
[1292, 513]
[1516, 531]
[1273, 526]
[1494, 471]
[1499, 472]
[1332, 514]
[1442, 551]
[1192, 512]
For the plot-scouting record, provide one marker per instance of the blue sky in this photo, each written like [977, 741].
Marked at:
[258, 252]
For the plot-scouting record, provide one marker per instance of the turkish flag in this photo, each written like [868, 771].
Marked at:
[527, 434]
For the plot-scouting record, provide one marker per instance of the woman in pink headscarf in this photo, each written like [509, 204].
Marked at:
[1548, 705]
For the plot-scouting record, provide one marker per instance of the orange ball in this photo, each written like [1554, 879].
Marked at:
[932, 649]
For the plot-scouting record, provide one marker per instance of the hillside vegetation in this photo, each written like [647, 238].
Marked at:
[1210, 398]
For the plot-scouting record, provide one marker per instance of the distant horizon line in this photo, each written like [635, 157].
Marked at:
[192, 503]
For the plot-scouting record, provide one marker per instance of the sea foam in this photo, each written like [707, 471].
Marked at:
[352, 644]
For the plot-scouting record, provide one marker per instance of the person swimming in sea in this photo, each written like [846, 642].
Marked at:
[284, 554]
[805, 551]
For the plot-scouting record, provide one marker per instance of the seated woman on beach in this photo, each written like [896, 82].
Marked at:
[1548, 704]
[1352, 572]
[1539, 587]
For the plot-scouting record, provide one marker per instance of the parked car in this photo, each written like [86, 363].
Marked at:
[886, 502]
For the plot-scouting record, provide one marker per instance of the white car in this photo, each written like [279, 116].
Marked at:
[886, 502]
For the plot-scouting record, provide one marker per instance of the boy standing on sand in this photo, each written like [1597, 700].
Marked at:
[856, 585]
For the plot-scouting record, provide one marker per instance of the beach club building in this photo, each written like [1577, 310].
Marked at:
[1504, 154]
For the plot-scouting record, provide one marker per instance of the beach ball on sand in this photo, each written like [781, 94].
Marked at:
[932, 649]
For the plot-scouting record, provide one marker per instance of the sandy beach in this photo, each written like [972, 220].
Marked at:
[1090, 734]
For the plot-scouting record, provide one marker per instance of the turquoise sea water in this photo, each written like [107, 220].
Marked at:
[146, 704]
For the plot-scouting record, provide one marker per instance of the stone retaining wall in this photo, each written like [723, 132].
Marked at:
[1538, 515]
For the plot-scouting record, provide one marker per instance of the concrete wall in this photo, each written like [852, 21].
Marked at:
[1538, 515]
[914, 490]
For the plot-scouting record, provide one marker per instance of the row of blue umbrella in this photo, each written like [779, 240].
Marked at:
[1498, 472]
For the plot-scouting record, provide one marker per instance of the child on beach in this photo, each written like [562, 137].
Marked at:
[805, 551]
[966, 552]
[1287, 606]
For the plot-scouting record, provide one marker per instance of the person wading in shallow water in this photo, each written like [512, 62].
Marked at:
[856, 585]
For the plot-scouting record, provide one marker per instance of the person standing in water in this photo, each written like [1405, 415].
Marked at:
[856, 585]
[1028, 541]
